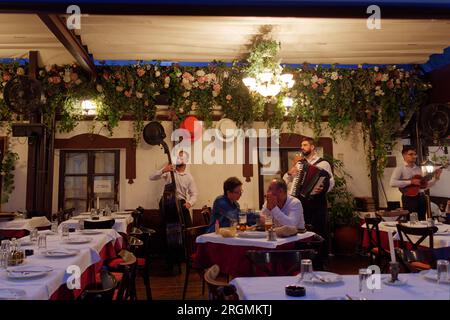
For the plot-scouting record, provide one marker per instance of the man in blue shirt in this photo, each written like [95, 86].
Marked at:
[226, 208]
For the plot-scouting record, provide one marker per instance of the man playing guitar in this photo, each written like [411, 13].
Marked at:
[409, 176]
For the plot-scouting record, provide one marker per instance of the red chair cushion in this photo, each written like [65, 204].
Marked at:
[420, 265]
[140, 262]
[117, 275]
[115, 262]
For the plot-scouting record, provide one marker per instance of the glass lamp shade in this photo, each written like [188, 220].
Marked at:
[428, 167]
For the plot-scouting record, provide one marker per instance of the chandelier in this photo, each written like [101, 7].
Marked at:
[269, 84]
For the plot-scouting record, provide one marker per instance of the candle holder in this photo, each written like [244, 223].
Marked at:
[395, 269]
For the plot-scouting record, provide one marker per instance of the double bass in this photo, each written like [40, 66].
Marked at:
[170, 206]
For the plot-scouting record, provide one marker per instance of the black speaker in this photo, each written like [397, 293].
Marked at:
[27, 129]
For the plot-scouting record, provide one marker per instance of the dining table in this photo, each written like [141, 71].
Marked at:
[83, 250]
[19, 227]
[414, 286]
[229, 253]
[122, 220]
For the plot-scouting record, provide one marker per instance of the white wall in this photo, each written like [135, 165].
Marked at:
[17, 200]
[209, 178]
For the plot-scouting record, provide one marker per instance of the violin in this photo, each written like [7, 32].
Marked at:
[413, 190]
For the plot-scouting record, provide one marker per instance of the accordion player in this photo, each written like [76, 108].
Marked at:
[308, 178]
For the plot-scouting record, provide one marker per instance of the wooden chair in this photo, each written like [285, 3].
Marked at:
[377, 254]
[126, 275]
[206, 214]
[101, 224]
[413, 257]
[278, 262]
[103, 291]
[190, 234]
[218, 290]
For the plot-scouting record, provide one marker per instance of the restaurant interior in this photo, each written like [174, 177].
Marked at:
[252, 150]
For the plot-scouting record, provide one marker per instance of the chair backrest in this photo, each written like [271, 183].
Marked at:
[64, 215]
[422, 232]
[373, 232]
[103, 291]
[101, 224]
[219, 290]
[127, 284]
[190, 235]
[138, 217]
[278, 262]
[206, 213]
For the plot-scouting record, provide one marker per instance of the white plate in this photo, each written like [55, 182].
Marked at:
[27, 271]
[26, 242]
[399, 283]
[91, 231]
[323, 277]
[11, 294]
[390, 224]
[252, 234]
[78, 240]
[61, 253]
[426, 223]
[432, 275]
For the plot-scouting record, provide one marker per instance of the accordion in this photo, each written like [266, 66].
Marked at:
[307, 179]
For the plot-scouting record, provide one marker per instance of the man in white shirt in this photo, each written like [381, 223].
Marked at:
[314, 209]
[284, 209]
[186, 188]
[409, 174]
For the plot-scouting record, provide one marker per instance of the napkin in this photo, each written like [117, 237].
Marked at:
[285, 231]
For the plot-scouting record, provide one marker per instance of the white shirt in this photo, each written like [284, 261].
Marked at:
[290, 215]
[322, 165]
[186, 187]
[401, 177]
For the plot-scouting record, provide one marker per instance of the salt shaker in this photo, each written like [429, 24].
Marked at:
[271, 235]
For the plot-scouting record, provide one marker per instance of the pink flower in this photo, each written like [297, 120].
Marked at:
[56, 79]
[201, 79]
[321, 80]
[128, 93]
[228, 97]
[6, 77]
[390, 84]
[117, 75]
[140, 72]
[314, 85]
[187, 76]
[378, 77]
[217, 87]
[106, 76]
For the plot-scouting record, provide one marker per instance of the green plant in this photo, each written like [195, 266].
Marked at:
[342, 209]
[7, 171]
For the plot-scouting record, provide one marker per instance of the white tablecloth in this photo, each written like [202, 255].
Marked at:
[25, 224]
[441, 239]
[42, 288]
[273, 288]
[249, 242]
[121, 224]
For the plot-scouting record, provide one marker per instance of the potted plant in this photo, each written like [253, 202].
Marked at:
[342, 215]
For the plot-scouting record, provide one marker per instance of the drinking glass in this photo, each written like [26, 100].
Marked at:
[42, 243]
[93, 213]
[413, 218]
[242, 220]
[116, 207]
[65, 231]
[306, 270]
[364, 275]
[268, 222]
[442, 269]
[54, 227]
[4, 253]
[81, 224]
[34, 235]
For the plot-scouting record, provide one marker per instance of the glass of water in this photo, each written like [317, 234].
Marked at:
[364, 275]
[42, 243]
[442, 269]
[4, 253]
[34, 235]
[65, 232]
[54, 227]
[81, 224]
[413, 218]
[306, 270]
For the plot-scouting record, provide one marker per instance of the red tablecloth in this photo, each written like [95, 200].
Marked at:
[231, 259]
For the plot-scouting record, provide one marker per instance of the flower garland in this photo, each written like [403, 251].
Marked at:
[7, 168]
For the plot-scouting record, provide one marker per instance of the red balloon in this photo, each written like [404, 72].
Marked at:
[189, 124]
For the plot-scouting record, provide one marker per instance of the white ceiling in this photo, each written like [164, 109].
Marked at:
[185, 38]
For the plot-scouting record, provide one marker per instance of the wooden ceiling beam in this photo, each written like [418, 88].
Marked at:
[70, 41]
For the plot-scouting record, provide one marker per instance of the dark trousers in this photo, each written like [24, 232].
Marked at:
[315, 214]
[416, 204]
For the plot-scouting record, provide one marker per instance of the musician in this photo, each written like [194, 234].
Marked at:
[315, 208]
[226, 207]
[403, 176]
[185, 184]
[285, 210]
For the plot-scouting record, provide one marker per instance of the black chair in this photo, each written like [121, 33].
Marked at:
[218, 290]
[278, 262]
[139, 242]
[101, 224]
[377, 254]
[190, 234]
[103, 291]
[413, 257]
[206, 214]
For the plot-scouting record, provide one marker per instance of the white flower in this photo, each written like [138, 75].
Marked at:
[200, 73]
[225, 74]
[186, 94]
[215, 93]
[377, 88]
[376, 69]
[41, 73]
[139, 95]
[20, 71]
[181, 110]
[99, 88]
[306, 82]
[360, 66]
[167, 80]
[185, 81]
[211, 77]
[48, 68]
[119, 88]
[314, 78]
[166, 85]
[397, 81]
[334, 75]
[188, 86]
[66, 77]
[385, 77]
[157, 74]
[78, 81]
[195, 84]
[148, 67]
[178, 74]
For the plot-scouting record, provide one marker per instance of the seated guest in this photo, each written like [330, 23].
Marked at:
[284, 209]
[226, 208]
